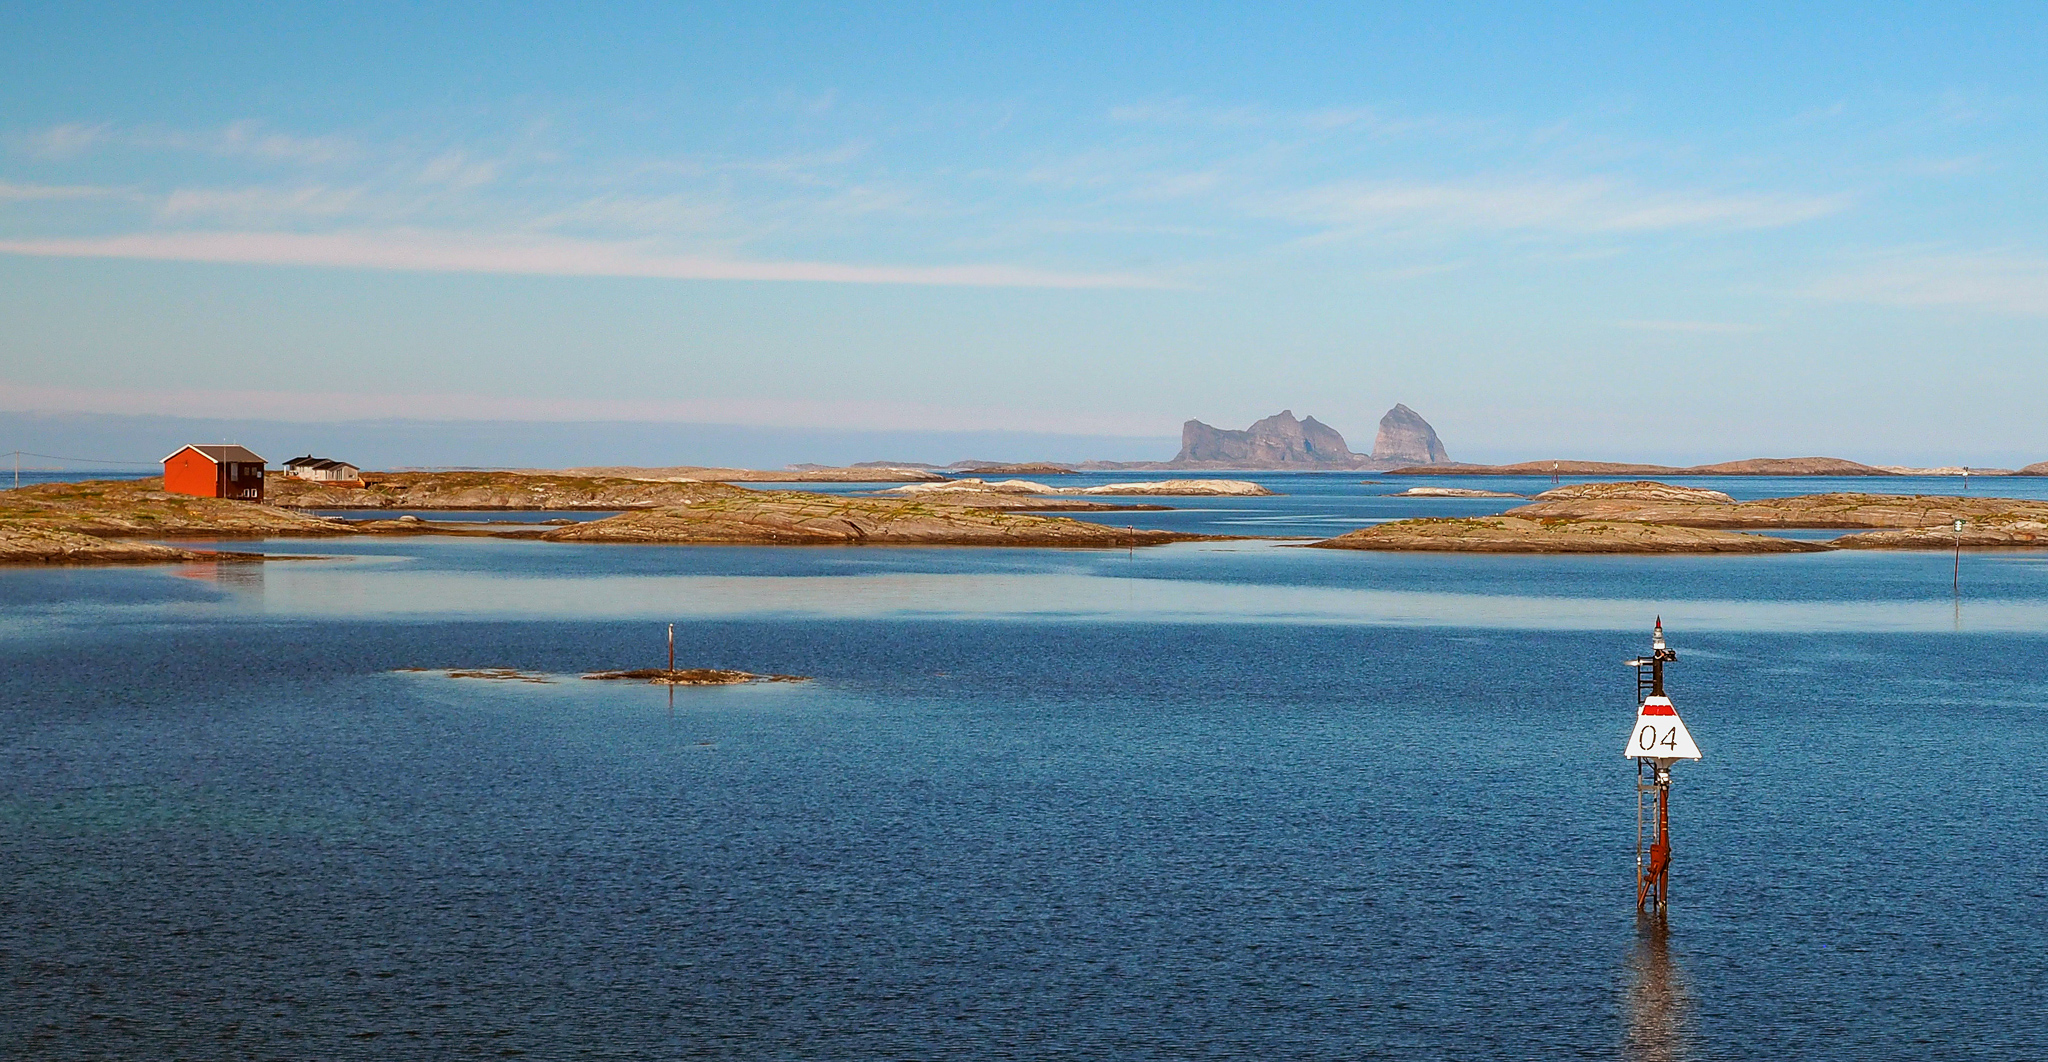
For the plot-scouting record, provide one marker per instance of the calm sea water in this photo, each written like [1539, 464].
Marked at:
[1216, 800]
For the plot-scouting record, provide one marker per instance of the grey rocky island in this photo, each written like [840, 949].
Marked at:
[1283, 443]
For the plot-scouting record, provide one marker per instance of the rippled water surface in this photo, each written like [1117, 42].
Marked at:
[1217, 800]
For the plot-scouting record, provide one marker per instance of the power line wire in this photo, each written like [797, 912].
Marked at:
[81, 460]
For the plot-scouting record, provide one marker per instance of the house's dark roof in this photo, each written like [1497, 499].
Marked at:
[221, 455]
[321, 463]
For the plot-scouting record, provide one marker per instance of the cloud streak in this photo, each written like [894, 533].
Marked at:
[442, 252]
[1689, 327]
[2000, 282]
[336, 406]
[15, 193]
[1583, 207]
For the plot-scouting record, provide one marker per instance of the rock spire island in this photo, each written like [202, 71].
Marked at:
[1282, 442]
[1406, 439]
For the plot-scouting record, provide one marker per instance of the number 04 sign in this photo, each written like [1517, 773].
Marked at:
[1660, 734]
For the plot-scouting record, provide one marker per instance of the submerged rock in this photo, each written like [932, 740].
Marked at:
[691, 676]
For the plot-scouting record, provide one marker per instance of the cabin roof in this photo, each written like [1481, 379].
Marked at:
[309, 461]
[221, 454]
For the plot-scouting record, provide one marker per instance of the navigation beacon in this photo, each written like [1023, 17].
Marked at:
[1658, 741]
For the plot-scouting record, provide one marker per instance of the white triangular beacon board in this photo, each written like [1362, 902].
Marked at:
[1660, 734]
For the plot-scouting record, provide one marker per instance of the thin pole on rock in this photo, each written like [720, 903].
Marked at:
[1959, 561]
[1131, 543]
[671, 649]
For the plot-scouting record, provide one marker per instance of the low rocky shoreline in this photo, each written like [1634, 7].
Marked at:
[1660, 503]
[80, 523]
[487, 491]
[96, 522]
[797, 518]
[1509, 534]
[42, 545]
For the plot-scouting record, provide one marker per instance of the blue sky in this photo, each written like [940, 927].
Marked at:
[1603, 231]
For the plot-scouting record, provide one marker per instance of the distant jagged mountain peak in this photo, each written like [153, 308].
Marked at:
[1281, 441]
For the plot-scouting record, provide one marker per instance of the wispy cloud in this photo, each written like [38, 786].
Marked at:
[457, 169]
[1249, 181]
[1586, 206]
[20, 192]
[249, 139]
[441, 252]
[264, 203]
[66, 141]
[1181, 112]
[1997, 281]
[1690, 327]
[241, 139]
[333, 406]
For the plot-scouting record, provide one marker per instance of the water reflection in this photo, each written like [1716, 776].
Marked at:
[1658, 1007]
[242, 578]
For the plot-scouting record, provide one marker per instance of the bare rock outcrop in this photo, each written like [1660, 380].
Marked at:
[1848, 511]
[30, 544]
[141, 508]
[1185, 488]
[490, 490]
[1994, 533]
[736, 516]
[1637, 490]
[1406, 439]
[971, 485]
[1508, 534]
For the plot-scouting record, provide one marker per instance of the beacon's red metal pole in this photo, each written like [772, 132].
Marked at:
[1660, 853]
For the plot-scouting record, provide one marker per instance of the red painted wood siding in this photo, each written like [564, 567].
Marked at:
[190, 472]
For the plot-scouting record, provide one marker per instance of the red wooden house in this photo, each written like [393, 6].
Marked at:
[215, 472]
